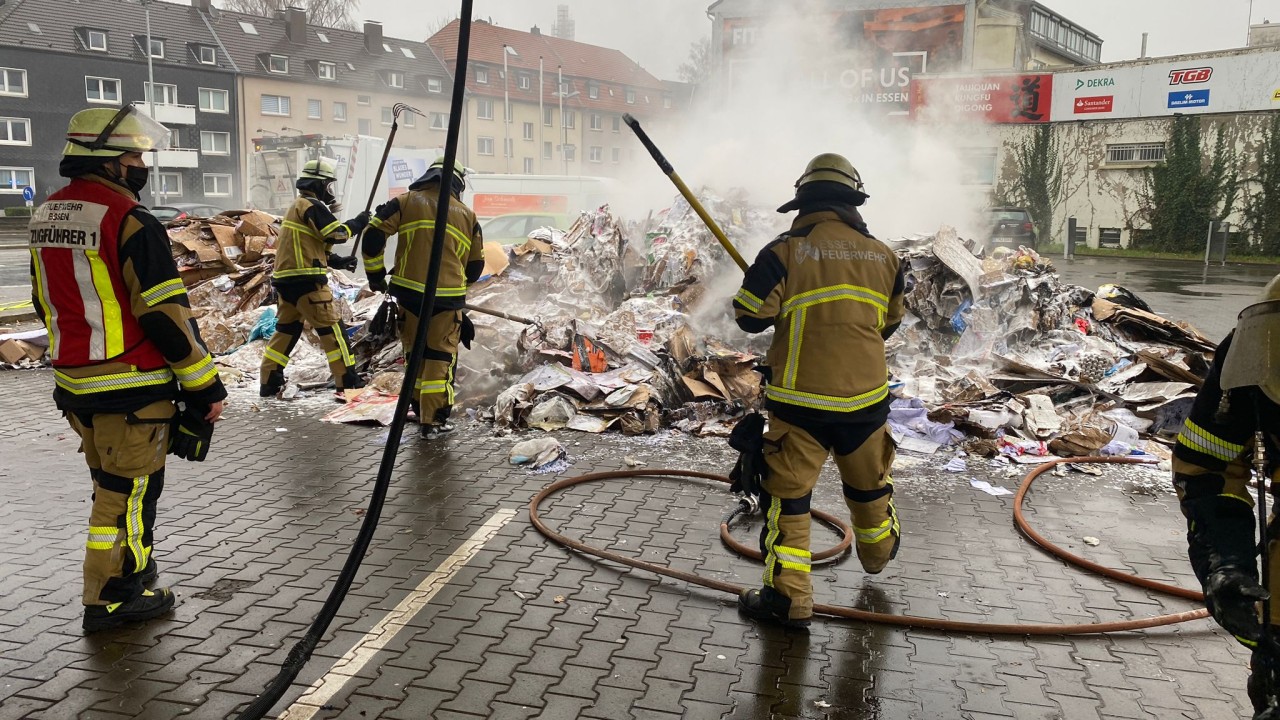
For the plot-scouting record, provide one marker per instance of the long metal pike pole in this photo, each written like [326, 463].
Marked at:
[684, 189]
[1265, 645]
[396, 110]
[503, 315]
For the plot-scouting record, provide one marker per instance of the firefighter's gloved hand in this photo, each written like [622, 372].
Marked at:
[1232, 596]
[749, 472]
[341, 262]
[358, 223]
[378, 282]
[190, 435]
[467, 333]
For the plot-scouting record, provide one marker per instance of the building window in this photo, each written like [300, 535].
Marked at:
[175, 137]
[157, 48]
[208, 56]
[597, 121]
[276, 105]
[1135, 153]
[169, 183]
[978, 166]
[484, 109]
[666, 102]
[364, 100]
[388, 116]
[13, 179]
[340, 111]
[617, 123]
[528, 166]
[595, 153]
[509, 146]
[395, 79]
[570, 119]
[593, 91]
[528, 131]
[327, 71]
[570, 152]
[163, 94]
[524, 82]
[215, 143]
[323, 38]
[278, 64]
[434, 85]
[315, 109]
[247, 28]
[213, 100]
[548, 116]
[102, 90]
[484, 145]
[13, 82]
[482, 77]
[617, 155]
[15, 131]
[97, 40]
[439, 121]
[364, 126]
[410, 119]
[217, 185]
[546, 151]
[631, 96]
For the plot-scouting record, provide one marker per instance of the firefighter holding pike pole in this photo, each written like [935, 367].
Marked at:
[1233, 431]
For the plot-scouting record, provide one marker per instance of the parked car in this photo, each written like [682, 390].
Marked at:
[182, 211]
[1011, 227]
[514, 229]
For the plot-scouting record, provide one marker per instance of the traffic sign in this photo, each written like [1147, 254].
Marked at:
[28, 193]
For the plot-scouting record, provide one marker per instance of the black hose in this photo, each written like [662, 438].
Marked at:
[301, 652]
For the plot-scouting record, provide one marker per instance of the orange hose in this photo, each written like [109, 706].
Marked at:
[866, 615]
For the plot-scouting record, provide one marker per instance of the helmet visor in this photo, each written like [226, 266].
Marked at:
[1254, 357]
[127, 131]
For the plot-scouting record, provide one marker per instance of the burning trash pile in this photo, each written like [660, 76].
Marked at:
[998, 356]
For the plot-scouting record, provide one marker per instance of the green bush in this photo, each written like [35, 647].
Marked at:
[18, 211]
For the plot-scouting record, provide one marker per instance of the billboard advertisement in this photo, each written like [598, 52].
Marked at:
[1234, 83]
[876, 53]
[985, 98]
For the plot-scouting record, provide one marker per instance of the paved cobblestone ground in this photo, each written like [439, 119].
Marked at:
[253, 538]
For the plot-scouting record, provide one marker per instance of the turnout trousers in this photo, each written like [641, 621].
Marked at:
[125, 455]
[434, 390]
[317, 309]
[795, 454]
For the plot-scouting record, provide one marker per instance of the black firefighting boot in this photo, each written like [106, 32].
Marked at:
[772, 606]
[272, 384]
[150, 604]
[150, 572]
[434, 432]
[351, 380]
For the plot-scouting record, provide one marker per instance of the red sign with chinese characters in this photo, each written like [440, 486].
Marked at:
[993, 99]
[1100, 104]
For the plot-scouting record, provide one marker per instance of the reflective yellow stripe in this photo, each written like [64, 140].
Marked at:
[133, 522]
[299, 272]
[300, 228]
[793, 349]
[771, 536]
[1197, 438]
[464, 242]
[345, 351]
[871, 536]
[276, 356]
[331, 227]
[375, 222]
[198, 373]
[794, 558]
[48, 312]
[112, 319]
[375, 264]
[827, 402]
[421, 287]
[836, 292]
[102, 537]
[749, 301]
[107, 383]
[163, 291]
[334, 355]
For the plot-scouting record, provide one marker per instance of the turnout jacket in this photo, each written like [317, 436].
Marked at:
[104, 283]
[413, 216]
[833, 293]
[307, 234]
[1211, 471]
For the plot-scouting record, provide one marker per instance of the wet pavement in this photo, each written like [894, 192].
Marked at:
[1209, 297]
[491, 620]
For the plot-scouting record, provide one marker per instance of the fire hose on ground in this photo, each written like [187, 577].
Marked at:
[905, 621]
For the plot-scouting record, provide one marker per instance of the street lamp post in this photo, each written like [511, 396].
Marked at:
[564, 127]
[151, 105]
[506, 107]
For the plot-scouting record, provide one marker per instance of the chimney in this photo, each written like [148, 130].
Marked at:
[202, 5]
[535, 30]
[295, 27]
[373, 37]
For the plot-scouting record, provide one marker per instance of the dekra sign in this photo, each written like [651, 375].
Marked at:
[1095, 83]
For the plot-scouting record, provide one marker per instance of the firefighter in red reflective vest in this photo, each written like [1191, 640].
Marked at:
[124, 349]
[305, 247]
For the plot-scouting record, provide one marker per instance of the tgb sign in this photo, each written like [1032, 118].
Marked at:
[1193, 76]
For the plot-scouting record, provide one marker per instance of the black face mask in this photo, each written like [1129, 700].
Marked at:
[135, 178]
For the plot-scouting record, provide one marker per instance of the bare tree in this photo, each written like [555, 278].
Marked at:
[697, 69]
[439, 24]
[325, 13]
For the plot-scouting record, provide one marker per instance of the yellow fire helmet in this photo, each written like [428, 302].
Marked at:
[319, 169]
[458, 169]
[831, 168]
[103, 132]
[1254, 357]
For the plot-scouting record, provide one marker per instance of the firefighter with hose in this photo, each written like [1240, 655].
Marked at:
[304, 252]
[412, 215]
[1233, 430]
[833, 294]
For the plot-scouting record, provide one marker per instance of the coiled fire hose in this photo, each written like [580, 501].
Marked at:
[907, 621]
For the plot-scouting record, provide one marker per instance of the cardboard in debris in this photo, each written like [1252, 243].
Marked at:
[956, 256]
[15, 351]
[495, 258]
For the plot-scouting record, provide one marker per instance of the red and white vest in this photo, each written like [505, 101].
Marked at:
[75, 243]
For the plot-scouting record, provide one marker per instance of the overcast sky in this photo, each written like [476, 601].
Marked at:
[657, 33]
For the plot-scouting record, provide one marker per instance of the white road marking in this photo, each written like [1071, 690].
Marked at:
[350, 664]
